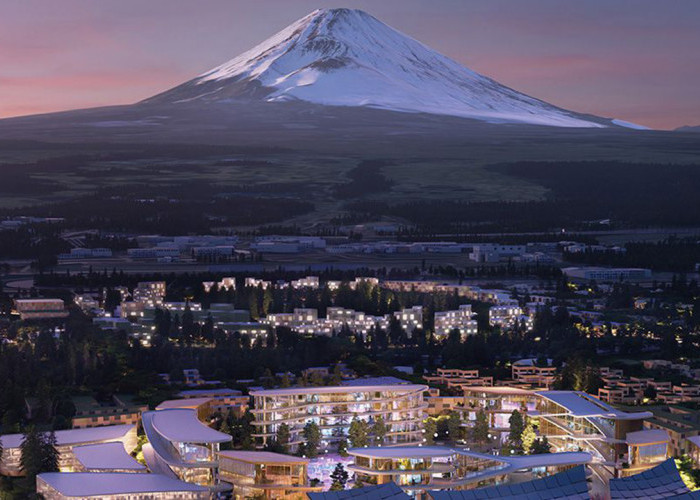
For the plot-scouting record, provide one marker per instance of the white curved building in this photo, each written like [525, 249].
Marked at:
[419, 468]
[181, 446]
[66, 442]
[333, 408]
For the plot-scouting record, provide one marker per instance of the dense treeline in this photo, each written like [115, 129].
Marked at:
[365, 178]
[39, 242]
[194, 208]
[580, 193]
[672, 254]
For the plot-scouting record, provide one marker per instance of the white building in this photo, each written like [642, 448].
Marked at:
[410, 318]
[506, 316]
[116, 486]
[150, 293]
[311, 282]
[255, 283]
[609, 274]
[333, 409]
[461, 319]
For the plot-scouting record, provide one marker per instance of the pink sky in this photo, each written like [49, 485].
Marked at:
[636, 60]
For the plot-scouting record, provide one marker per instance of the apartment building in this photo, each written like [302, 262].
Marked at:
[226, 284]
[462, 319]
[410, 319]
[310, 282]
[151, 293]
[333, 408]
[40, 309]
[90, 413]
[527, 372]
[222, 400]
[508, 316]
[455, 378]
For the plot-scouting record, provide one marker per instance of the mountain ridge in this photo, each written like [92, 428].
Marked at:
[345, 57]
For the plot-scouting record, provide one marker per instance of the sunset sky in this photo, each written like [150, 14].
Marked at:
[636, 60]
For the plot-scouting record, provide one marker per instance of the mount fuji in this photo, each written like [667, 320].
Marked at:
[344, 57]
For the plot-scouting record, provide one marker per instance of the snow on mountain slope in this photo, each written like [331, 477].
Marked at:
[344, 57]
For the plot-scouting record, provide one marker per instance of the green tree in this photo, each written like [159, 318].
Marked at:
[283, 436]
[339, 477]
[31, 450]
[454, 426]
[312, 435]
[515, 435]
[480, 429]
[343, 447]
[540, 446]
[358, 433]
[528, 437]
[379, 430]
[430, 427]
[49, 454]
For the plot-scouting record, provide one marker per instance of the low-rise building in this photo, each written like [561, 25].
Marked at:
[410, 319]
[180, 445]
[66, 441]
[223, 400]
[462, 320]
[262, 474]
[116, 486]
[416, 469]
[40, 308]
[91, 413]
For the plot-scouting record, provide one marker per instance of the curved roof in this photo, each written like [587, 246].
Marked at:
[76, 436]
[99, 484]
[340, 388]
[580, 404]
[398, 452]
[183, 426]
[262, 457]
[106, 456]
[190, 403]
[662, 481]
[570, 484]
[502, 389]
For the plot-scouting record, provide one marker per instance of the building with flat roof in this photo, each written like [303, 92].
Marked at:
[462, 320]
[333, 408]
[410, 318]
[256, 474]
[224, 400]
[180, 445]
[91, 413]
[116, 486]
[66, 441]
[40, 308]
[607, 274]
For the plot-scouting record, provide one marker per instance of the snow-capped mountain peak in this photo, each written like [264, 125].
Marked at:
[345, 57]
